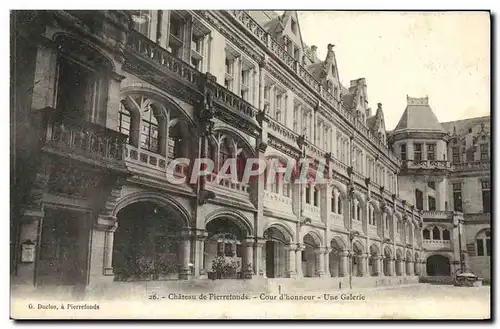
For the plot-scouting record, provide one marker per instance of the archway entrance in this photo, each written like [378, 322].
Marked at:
[146, 243]
[335, 258]
[387, 261]
[275, 254]
[224, 248]
[357, 263]
[374, 263]
[438, 265]
[310, 264]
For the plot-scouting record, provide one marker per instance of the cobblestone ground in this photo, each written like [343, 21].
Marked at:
[419, 301]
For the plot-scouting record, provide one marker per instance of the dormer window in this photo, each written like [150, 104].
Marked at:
[294, 26]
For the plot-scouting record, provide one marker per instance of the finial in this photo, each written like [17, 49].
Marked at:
[379, 106]
[330, 47]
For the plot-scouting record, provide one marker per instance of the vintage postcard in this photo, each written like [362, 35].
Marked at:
[250, 164]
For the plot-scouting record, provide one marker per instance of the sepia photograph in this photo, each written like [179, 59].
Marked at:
[250, 164]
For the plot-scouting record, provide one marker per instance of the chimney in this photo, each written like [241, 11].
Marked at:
[314, 54]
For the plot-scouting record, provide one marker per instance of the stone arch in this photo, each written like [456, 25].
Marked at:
[339, 242]
[239, 219]
[438, 264]
[237, 136]
[315, 236]
[374, 250]
[274, 254]
[387, 251]
[358, 246]
[283, 228]
[67, 37]
[157, 95]
[360, 197]
[340, 187]
[161, 199]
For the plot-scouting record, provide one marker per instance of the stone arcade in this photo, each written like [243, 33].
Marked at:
[104, 101]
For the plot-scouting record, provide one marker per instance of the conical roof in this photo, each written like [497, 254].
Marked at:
[418, 116]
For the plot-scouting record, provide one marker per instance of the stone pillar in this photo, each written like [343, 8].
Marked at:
[392, 267]
[327, 262]
[291, 270]
[108, 250]
[344, 263]
[376, 265]
[261, 84]
[363, 264]
[199, 268]
[336, 200]
[320, 261]
[259, 261]
[185, 271]
[298, 259]
[409, 267]
[248, 256]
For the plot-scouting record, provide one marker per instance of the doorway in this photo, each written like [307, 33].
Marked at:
[63, 258]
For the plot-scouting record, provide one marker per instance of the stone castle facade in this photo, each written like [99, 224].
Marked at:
[103, 101]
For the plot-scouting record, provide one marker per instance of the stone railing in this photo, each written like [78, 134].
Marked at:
[154, 52]
[310, 209]
[231, 100]
[436, 244]
[337, 218]
[274, 198]
[280, 52]
[148, 48]
[282, 131]
[471, 165]
[437, 214]
[144, 161]
[85, 139]
[430, 164]
[228, 183]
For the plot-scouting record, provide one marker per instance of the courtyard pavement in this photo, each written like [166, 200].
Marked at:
[418, 301]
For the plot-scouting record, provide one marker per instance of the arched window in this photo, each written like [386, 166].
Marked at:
[446, 235]
[316, 197]
[308, 194]
[353, 209]
[333, 204]
[175, 142]
[386, 221]
[427, 234]
[224, 153]
[124, 126]
[149, 130]
[358, 217]
[436, 234]
[339, 206]
[483, 243]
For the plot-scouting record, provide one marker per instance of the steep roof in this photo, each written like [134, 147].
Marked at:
[462, 126]
[418, 116]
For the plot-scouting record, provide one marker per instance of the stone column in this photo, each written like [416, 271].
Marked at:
[363, 264]
[258, 261]
[375, 265]
[248, 256]
[327, 262]
[108, 250]
[392, 267]
[185, 271]
[199, 268]
[298, 259]
[344, 263]
[320, 261]
[409, 268]
[291, 270]
[336, 200]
